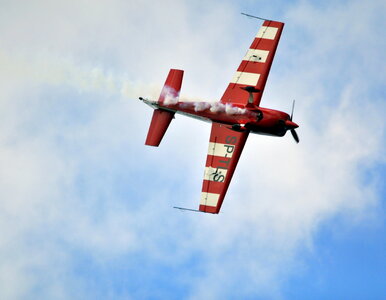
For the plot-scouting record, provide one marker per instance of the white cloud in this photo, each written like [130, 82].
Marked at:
[76, 180]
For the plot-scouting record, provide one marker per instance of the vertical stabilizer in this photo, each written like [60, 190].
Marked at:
[171, 90]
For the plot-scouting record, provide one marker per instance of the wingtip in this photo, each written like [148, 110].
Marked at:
[255, 17]
[187, 209]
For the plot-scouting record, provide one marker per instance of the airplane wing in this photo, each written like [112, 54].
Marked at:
[225, 147]
[254, 68]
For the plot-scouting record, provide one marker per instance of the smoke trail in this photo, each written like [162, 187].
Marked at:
[214, 107]
[227, 108]
[201, 106]
[169, 95]
[63, 71]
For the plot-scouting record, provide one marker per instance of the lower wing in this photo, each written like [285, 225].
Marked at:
[225, 147]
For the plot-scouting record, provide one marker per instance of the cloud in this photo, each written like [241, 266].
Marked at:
[86, 208]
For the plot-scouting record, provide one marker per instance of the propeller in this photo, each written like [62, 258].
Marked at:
[293, 132]
[295, 135]
[292, 111]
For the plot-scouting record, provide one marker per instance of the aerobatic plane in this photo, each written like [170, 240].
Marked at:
[237, 114]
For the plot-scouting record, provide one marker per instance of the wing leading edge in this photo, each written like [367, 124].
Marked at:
[255, 66]
[225, 147]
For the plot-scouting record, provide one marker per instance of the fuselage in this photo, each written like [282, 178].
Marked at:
[257, 120]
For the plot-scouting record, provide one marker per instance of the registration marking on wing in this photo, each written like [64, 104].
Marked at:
[216, 174]
[223, 150]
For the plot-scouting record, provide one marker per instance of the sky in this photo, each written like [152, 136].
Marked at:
[86, 208]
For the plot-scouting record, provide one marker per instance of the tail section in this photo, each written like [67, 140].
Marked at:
[172, 87]
[162, 118]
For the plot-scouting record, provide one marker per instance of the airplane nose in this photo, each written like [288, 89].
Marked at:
[291, 125]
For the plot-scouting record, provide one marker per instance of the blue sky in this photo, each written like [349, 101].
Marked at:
[86, 209]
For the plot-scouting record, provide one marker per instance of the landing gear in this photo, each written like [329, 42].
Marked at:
[239, 127]
[259, 115]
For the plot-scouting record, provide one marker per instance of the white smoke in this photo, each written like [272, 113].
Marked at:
[170, 95]
[233, 110]
[227, 108]
[201, 106]
[54, 70]
[63, 71]
[214, 107]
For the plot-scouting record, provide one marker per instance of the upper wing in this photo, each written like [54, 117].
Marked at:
[254, 68]
[225, 147]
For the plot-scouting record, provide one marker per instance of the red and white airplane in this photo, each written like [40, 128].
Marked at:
[236, 115]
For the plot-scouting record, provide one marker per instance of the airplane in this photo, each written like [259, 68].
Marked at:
[237, 114]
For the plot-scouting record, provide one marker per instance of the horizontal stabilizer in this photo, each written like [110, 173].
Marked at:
[162, 118]
[158, 126]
